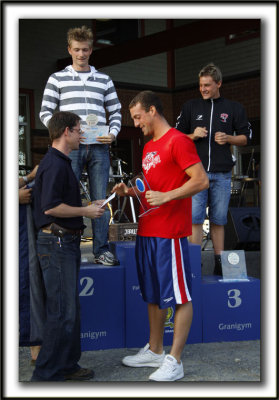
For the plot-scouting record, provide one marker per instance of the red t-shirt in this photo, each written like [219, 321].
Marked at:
[163, 163]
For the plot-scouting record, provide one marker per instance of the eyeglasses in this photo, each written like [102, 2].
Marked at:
[78, 130]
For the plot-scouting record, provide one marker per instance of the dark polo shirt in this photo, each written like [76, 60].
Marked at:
[56, 183]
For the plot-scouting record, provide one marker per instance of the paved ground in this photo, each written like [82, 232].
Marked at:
[203, 362]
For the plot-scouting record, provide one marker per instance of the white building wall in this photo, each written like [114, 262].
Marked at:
[152, 26]
[233, 59]
[151, 71]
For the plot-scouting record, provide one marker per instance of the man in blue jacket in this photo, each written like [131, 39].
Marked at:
[214, 124]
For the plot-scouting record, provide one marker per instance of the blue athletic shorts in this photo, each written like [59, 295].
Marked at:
[163, 268]
[216, 197]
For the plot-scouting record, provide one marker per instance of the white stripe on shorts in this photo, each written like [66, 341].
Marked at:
[176, 288]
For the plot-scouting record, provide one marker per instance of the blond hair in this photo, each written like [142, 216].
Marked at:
[213, 71]
[82, 34]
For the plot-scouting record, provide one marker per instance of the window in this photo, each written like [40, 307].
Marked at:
[24, 124]
[111, 32]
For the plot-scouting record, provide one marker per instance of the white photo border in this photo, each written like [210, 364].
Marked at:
[12, 12]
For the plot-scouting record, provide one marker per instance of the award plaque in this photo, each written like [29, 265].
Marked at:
[90, 133]
[140, 186]
[234, 266]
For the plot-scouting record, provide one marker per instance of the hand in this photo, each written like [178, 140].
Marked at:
[82, 139]
[94, 210]
[30, 177]
[120, 189]
[200, 132]
[98, 203]
[156, 198]
[106, 139]
[24, 195]
[221, 138]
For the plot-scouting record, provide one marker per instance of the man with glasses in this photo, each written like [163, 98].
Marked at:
[58, 216]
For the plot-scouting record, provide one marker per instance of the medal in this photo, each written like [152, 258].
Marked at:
[92, 119]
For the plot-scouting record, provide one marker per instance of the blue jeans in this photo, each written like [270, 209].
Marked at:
[216, 197]
[31, 291]
[59, 263]
[96, 159]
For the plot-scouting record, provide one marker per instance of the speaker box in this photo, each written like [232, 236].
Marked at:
[243, 229]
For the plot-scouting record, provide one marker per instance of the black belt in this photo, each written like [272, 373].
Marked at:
[58, 230]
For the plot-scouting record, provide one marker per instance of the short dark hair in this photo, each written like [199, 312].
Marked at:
[60, 121]
[147, 98]
[213, 71]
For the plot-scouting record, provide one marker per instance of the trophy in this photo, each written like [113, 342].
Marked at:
[234, 266]
[140, 185]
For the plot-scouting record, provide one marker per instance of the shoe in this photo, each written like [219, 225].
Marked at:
[170, 370]
[107, 258]
[144, 358]
[82, 374]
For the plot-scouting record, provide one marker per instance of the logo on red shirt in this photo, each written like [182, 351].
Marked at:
[150, 160]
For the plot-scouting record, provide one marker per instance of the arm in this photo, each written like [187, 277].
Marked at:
[183, 124]
[199, 132]
[30, 177]
[65, 211]
[50, 100]
[121, 189]
[198, 181]
[241, 126]
[222, 138]
[180, 122]
[113, 108]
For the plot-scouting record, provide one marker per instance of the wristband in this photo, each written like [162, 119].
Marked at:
[25, 179]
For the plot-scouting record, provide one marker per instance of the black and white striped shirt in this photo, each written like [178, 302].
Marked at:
[65, 90]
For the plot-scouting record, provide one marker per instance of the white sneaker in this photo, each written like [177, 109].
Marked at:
[144, 358]
[170, 370]
[107, 258]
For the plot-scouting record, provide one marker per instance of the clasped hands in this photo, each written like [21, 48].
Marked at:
[219, 137]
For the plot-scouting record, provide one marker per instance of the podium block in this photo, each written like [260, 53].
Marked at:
[137, 324]
[101, 291]
[231, 310]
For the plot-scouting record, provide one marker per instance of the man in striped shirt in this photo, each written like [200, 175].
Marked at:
[81, 89]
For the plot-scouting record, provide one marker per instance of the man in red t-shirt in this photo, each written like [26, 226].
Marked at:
[174, 173]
